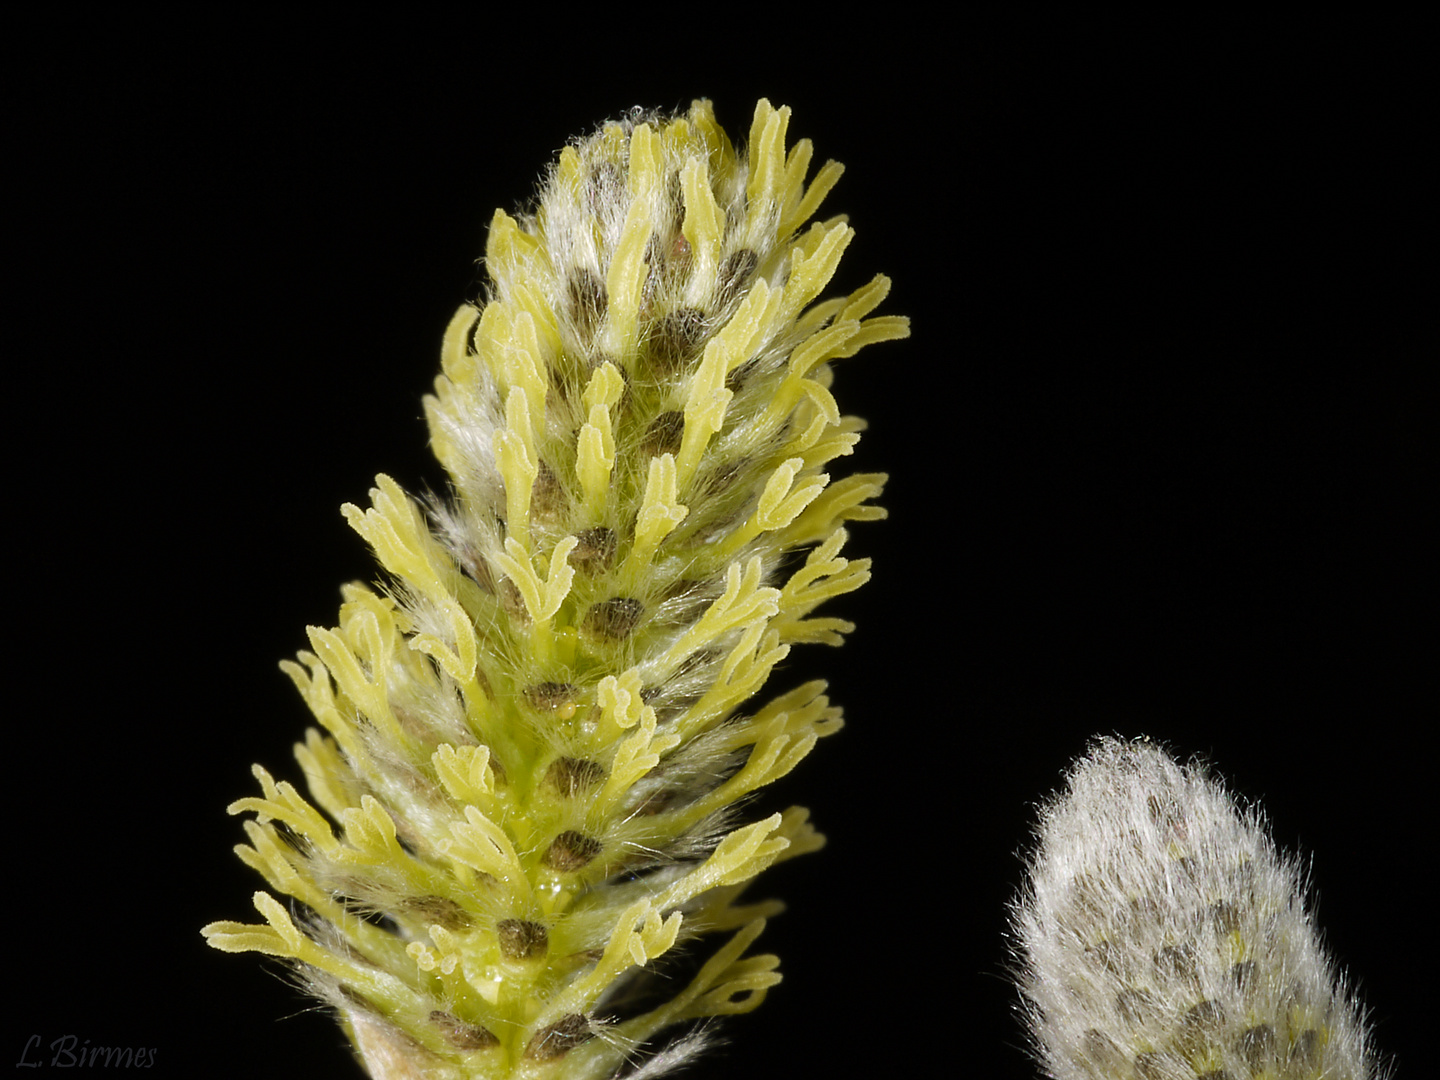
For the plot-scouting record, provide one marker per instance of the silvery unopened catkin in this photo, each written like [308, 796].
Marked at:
[1162, 936]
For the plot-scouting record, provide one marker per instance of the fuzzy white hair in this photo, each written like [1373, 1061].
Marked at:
[1163, 937]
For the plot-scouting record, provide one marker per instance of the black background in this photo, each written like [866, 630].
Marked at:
[1156, 447]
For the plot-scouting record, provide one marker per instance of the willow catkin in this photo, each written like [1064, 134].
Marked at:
[1163, 937]
[537, 733]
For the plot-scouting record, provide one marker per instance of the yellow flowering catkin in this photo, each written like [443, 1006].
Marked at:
[525, 791]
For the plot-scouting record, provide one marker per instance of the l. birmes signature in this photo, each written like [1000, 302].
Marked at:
[68, 1052]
